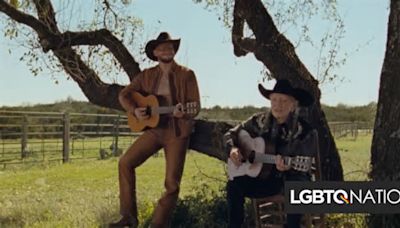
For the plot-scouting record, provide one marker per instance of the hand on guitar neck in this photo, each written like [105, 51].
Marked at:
[178, 111]
[280, 164]
[251, 153]
[237, 159]
[141, 113]
[147, 112]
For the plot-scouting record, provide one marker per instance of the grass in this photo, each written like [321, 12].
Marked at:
[85, 193]
[355, 157]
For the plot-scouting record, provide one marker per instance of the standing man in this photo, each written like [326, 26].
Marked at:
[174, 85]
[290, 135]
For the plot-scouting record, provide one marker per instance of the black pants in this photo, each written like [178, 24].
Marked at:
[245, 186]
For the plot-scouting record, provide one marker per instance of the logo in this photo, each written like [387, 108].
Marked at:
[342, 197]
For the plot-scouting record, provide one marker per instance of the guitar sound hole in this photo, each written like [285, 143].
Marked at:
[148, 110]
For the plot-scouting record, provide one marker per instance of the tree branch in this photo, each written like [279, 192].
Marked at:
[237, 31]
[98, 37]
[68, 39]
[278, 54]
[46, 14]
[25, 19]
[271, 46]
[208, 138]
[51, 38]
[95, 90]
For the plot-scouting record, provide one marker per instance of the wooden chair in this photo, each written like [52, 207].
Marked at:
[269, 211]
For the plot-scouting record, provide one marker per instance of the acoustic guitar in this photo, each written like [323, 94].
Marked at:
[153, 110]
[263, 154]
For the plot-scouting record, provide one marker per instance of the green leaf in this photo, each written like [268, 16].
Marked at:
[14, 3]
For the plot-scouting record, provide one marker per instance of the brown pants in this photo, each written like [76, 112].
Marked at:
[146, 145]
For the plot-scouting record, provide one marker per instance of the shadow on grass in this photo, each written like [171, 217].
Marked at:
[11, 221]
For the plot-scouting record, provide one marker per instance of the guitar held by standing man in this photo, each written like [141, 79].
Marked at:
[174, 86]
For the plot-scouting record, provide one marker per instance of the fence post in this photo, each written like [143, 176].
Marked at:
[116, 133]
[2, 143]
[24, 137]
[66, 136]
[357, 126]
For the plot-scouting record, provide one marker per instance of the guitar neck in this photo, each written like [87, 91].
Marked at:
[265, 158]
[270, 159]
[163, 109]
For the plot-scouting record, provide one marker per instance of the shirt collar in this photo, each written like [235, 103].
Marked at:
[174, 67]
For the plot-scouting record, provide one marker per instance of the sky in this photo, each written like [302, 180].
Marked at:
[223, 79]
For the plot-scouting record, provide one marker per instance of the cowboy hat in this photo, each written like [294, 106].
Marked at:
[283, 86]
[164, 37]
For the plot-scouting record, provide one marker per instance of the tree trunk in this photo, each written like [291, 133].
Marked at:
[277, 53]
[385, 149]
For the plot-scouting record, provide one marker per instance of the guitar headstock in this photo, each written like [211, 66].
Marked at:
[301, 163]
[191, 108]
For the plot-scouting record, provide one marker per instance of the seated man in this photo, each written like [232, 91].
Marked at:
[288, 134]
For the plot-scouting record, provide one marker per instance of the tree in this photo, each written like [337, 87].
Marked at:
[386, 140]
[268, 45]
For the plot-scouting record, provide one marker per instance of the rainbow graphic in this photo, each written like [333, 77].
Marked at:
[345, 199]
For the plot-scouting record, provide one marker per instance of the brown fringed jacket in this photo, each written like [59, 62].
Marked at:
[183, 87]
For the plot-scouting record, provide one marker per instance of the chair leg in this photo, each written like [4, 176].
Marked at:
[308, 220]
[257, 213]
[281, 215]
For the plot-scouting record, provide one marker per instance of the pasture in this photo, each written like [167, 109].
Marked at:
[84, 193]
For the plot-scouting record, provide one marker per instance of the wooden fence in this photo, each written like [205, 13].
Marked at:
[31, 137]
[350, 129]
[27, 137]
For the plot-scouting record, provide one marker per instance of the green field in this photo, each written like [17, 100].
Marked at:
[84, 193]
[355, 157]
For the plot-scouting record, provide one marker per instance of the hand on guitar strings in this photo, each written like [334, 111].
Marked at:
[280, 164]
[141, 114]
[236, 156]
[178, 111]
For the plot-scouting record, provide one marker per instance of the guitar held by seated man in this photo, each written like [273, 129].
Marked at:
[268, 149]
[258, 152]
